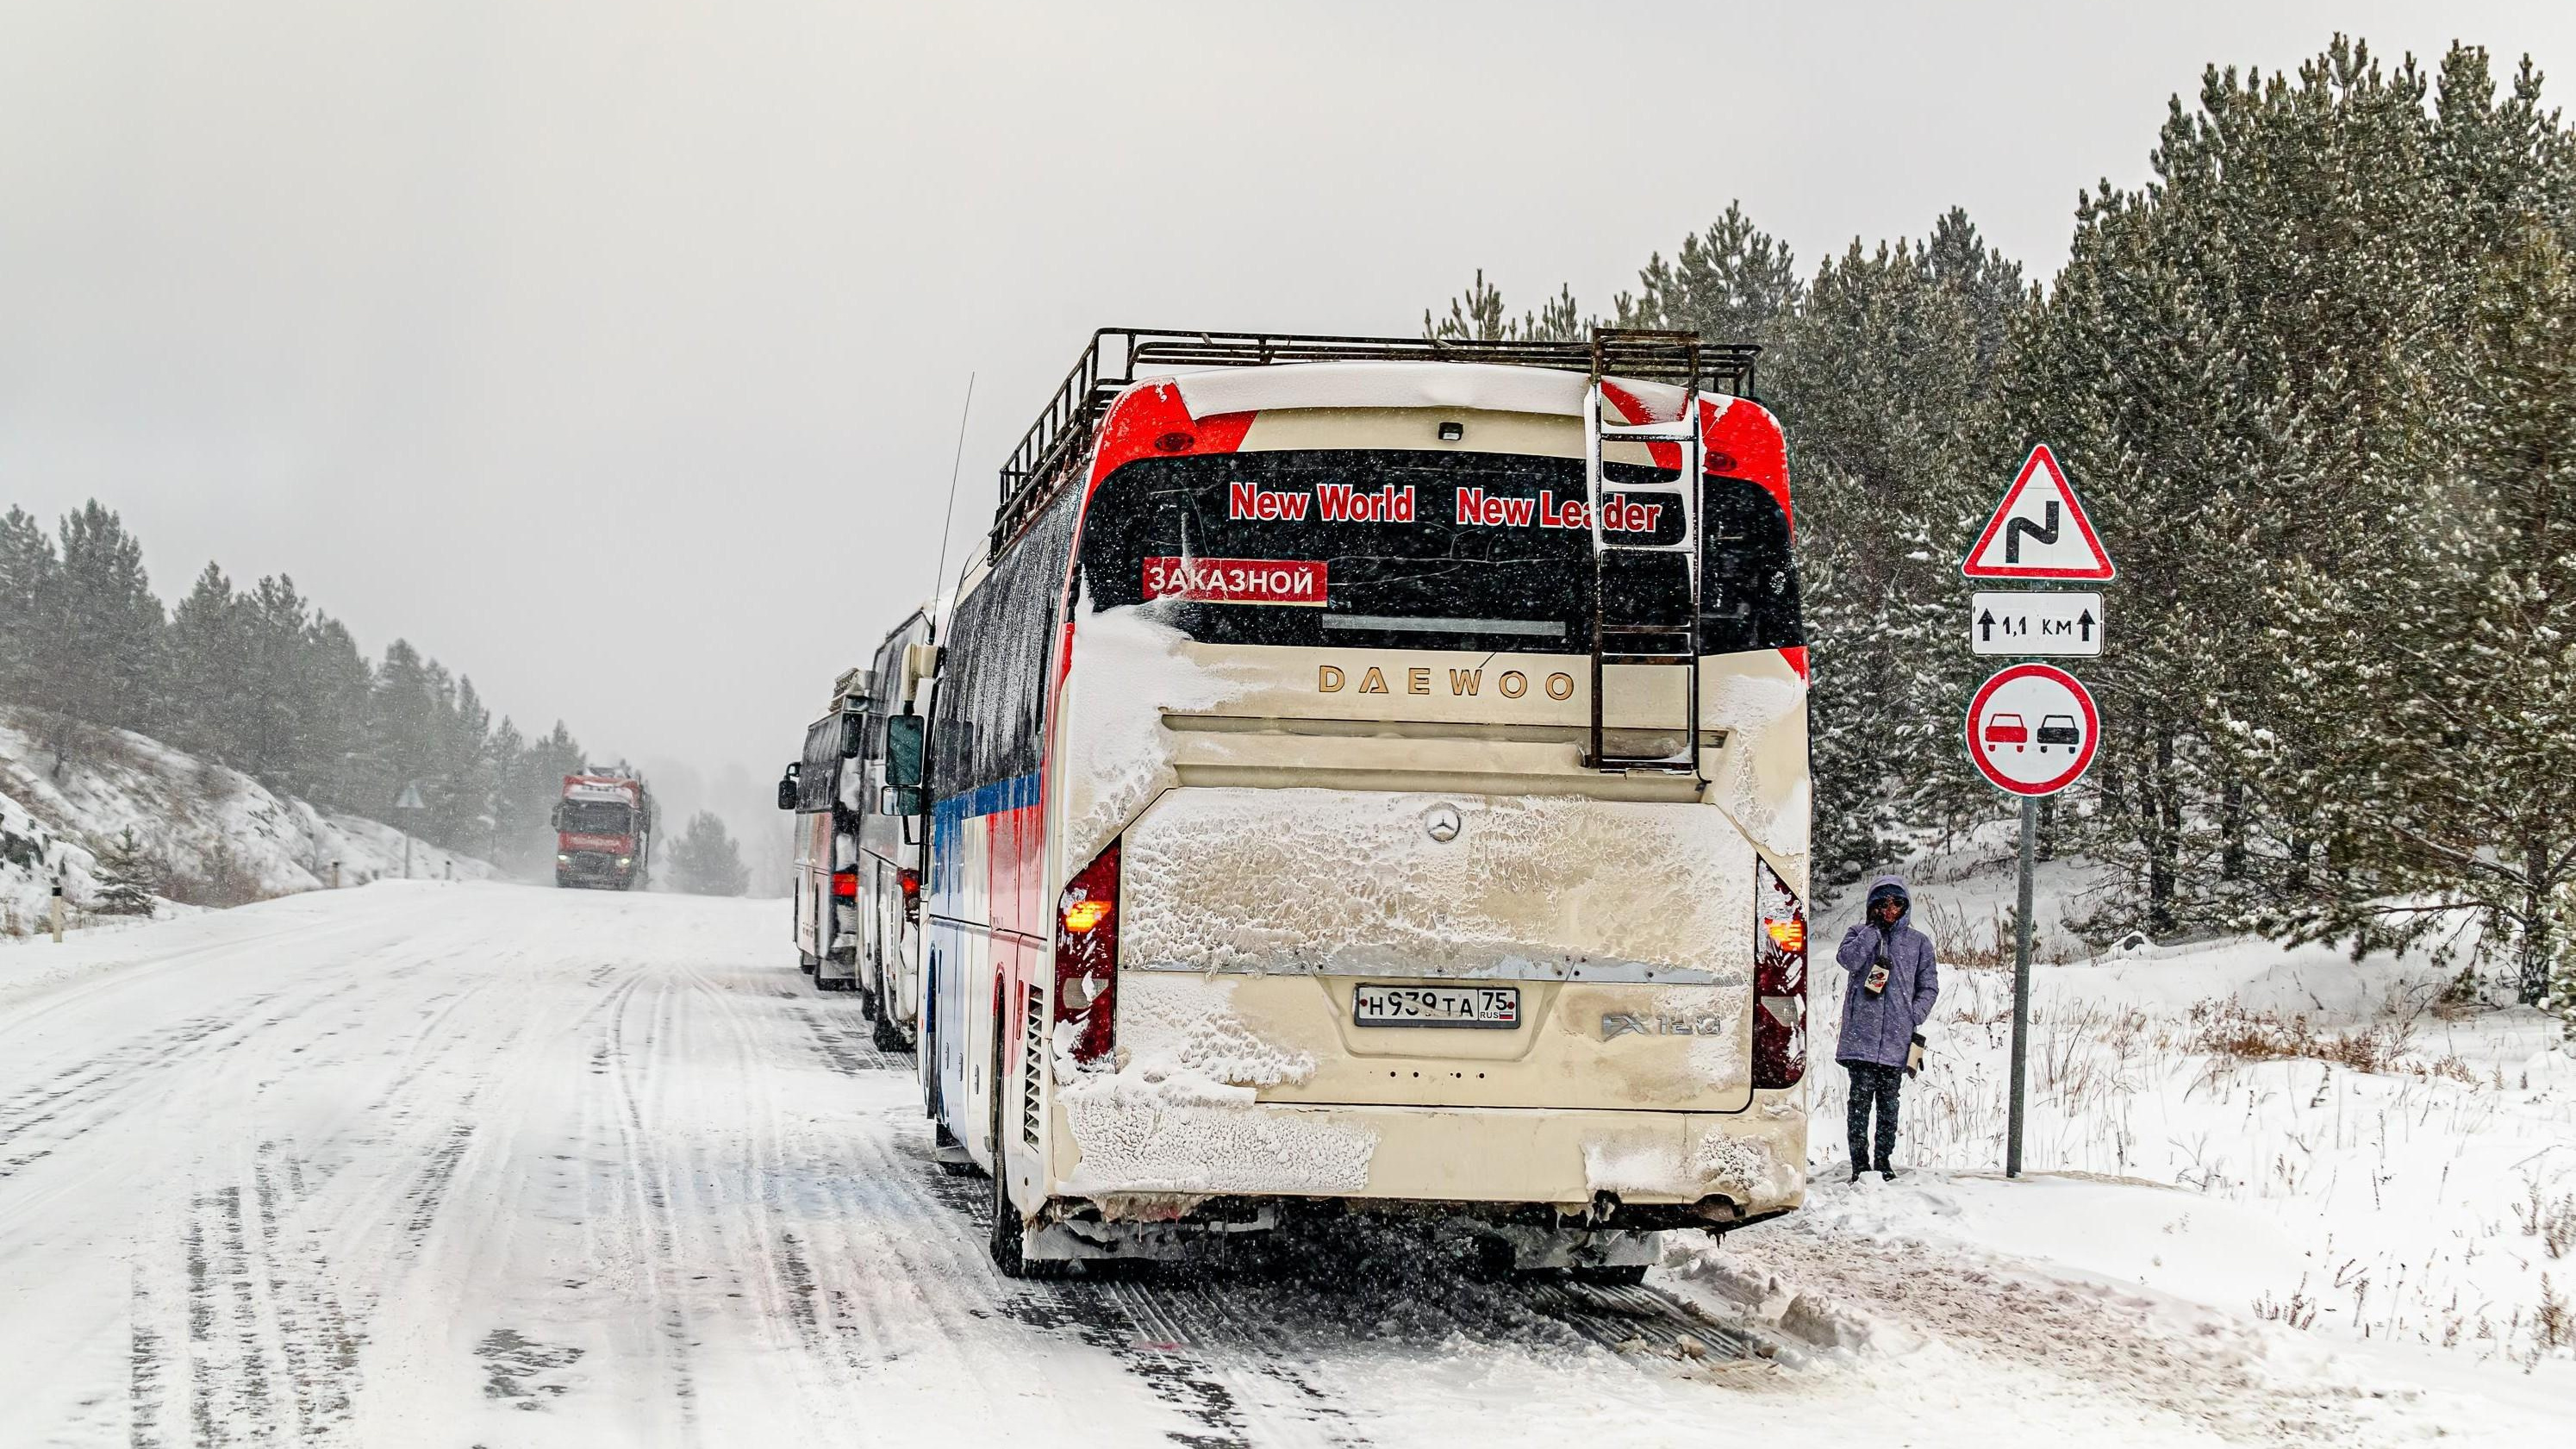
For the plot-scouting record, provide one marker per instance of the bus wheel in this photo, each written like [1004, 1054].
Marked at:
[1010, 1232]
[886, 1036]
[1610, 1275]
[805, 962]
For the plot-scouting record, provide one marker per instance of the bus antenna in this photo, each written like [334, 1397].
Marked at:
[939, 626]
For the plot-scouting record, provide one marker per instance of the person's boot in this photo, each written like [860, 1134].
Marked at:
[1883, 1168]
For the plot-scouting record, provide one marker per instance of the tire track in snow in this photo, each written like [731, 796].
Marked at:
[318, 1343]
[1261, 1375]
[648, 1199]
[96, 1086]
[275, 1327]
[469, 1180]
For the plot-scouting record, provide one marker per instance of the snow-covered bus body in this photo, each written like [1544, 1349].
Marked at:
[892, 834]
[1268, 870]
[818, 788]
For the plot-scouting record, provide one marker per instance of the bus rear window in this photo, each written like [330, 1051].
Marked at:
[1421, 550]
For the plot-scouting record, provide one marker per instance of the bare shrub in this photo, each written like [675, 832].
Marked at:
[2299, 1312]
[2225, 1029]
[221, 878]
[2552, 1222]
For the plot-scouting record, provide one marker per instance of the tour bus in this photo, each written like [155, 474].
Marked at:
[815, 786]
[892, 834]
[1370, 775]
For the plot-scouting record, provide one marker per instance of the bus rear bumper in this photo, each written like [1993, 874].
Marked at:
[1630, 1169]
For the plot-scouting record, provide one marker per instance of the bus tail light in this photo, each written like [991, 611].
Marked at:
[845, 884]
[1086, 958]
[1779, 981]
[910, 880]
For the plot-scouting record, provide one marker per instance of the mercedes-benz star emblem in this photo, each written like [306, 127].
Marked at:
[1442, 822]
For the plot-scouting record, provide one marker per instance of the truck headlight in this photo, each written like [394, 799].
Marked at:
[624, 861]
[563, 858]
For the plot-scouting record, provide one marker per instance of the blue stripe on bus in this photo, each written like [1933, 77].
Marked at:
[948, 823]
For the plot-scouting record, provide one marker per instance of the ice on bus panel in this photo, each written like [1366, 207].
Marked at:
[1318, 819]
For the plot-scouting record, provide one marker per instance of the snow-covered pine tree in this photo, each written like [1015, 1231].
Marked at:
[706, 862]
[205, 671]
[26, 561]
[1733, 282]
[274, 714]
[335, 683]
[127, 877]
[93, 635]
[2476, 701]
[463, 811]
[2251, 350]
[1477, 315]
[1885, 385]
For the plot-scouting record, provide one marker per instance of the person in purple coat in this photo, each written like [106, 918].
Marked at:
[1888, 997]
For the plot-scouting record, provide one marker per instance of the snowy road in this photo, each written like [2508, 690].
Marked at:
[456, 1165]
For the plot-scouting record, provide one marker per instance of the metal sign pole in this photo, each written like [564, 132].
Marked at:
[2021, 988]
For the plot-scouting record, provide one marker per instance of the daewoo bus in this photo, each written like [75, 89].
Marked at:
[1370, 775]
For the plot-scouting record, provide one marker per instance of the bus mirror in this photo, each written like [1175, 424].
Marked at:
[920, 663]
[903, 753]
[787, 785]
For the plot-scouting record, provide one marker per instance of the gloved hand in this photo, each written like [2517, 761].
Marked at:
[1914, 1056]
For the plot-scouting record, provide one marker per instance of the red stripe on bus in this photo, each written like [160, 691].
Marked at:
[1796, 654]
[1152, 420]
[1743, 441]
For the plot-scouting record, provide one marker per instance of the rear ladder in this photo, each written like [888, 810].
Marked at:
[1633, 643]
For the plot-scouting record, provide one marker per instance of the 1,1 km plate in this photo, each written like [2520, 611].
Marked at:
[1498, 1007]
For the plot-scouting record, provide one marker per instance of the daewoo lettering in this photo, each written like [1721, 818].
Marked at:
[1333, 678]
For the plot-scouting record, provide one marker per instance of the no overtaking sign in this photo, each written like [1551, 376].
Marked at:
[2032, 729]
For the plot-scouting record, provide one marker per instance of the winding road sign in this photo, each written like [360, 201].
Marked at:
[2032, 729]
[2039, 531]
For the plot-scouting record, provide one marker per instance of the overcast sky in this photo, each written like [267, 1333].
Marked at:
[613, 352]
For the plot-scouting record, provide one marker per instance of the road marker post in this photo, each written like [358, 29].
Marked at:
[2039, 533]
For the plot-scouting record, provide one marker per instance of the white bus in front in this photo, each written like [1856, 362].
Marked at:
[1376, 783]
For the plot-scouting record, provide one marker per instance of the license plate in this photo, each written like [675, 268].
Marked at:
[1498, 1007]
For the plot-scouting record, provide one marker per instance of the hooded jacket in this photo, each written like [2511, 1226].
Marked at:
[1879, 1028]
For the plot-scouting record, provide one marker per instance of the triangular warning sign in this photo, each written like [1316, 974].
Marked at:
[410, 798]
[2039, 531]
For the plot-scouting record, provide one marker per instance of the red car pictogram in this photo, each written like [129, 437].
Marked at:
[2007, 729]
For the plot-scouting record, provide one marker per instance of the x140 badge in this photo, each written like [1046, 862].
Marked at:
[1616, 1024]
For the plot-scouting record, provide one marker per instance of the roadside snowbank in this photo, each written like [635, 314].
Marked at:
[197, 819]
[2272, 1191]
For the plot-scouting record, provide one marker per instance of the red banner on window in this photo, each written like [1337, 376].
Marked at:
[1236, 580]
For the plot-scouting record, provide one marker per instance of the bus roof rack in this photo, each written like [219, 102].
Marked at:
[1118, 356]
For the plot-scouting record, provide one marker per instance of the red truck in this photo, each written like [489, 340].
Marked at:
[604, 829]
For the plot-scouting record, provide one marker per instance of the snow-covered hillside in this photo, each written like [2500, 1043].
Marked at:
[216, 834]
